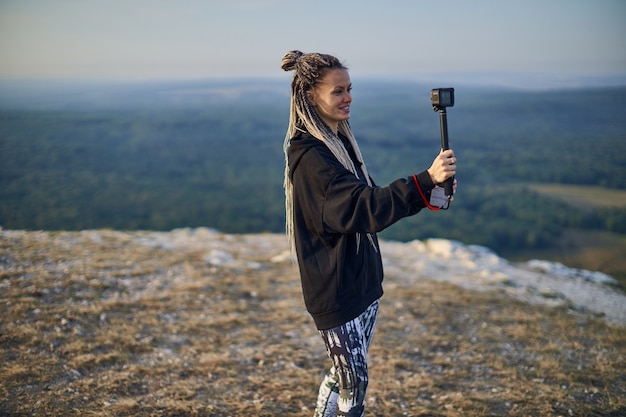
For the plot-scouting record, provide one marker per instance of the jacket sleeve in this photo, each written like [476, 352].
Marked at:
[349, 205]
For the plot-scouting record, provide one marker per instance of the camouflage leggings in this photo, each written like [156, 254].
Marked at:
[343, 389]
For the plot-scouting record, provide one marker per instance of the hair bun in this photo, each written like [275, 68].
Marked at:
[290, 60]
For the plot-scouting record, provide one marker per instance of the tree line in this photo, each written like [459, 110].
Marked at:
[220, 163]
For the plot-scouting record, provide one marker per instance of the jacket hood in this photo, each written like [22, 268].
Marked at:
[298, 146]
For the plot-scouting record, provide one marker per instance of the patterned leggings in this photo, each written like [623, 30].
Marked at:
[342, 392]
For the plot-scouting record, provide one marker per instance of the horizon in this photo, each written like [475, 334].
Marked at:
[83, 94]
[501, 80]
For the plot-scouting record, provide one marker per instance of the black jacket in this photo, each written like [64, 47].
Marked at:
[331, 208]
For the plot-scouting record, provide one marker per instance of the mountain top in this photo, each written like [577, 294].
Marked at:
[196, 322]
[469, 266]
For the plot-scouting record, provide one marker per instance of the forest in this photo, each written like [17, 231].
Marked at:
[159, 156]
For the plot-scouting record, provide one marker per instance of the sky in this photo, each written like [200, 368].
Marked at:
[195, 39]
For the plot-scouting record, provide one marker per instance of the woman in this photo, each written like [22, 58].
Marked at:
[334, 211]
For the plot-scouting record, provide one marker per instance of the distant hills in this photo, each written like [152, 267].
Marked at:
[160, 156]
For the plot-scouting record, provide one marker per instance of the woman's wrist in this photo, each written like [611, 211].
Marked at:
[432, 177]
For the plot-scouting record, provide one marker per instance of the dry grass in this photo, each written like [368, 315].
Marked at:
[111, 328]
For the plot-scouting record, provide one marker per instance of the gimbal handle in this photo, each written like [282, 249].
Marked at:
[443, 123]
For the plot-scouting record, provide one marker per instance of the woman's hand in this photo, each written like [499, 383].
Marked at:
[443, 167]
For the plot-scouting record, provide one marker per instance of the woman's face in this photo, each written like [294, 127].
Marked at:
[332, 96]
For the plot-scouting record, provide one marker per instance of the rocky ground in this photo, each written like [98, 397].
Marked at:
[193, 322]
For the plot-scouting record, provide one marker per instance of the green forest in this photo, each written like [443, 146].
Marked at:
[171, 155]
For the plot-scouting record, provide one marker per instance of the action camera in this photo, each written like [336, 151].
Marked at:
[442, 97]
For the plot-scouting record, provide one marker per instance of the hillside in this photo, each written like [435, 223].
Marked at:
[193, 322]
[161, 156]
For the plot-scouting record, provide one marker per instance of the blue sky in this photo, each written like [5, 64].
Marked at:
[159, 39]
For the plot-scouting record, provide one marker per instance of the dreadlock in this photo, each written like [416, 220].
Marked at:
[309, 69]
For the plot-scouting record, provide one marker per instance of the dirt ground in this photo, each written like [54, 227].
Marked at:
[98, 324]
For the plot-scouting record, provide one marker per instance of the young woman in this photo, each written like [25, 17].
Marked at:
[334, 211]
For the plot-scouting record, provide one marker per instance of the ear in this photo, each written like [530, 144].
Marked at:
[310, 94]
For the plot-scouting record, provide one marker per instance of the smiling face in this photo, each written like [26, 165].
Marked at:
[332, 96]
